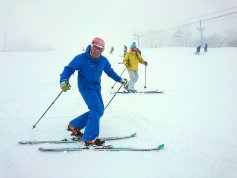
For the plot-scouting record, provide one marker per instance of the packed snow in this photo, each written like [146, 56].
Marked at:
[195, 117]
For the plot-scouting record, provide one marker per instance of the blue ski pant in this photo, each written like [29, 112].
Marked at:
[91, 119]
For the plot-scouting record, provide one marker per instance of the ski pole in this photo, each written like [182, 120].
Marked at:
[113, 96]
[119, 76]
[47, 109]
[145, 77]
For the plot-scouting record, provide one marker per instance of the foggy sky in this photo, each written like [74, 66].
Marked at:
[65, 24]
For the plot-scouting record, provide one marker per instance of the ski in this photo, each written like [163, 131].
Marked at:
[103, 148]
[35, 142]
[140, 92]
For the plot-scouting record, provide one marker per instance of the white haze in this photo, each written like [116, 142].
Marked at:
[44, 25]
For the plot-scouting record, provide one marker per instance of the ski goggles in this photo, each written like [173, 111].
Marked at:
[97, 48]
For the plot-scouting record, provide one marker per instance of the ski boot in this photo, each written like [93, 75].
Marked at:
[75, 132]
[98, 143]
[126, 87]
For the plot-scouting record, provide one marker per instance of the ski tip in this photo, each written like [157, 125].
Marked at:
[49, 149]
[22, 142]
[161, 146]
[133, 134]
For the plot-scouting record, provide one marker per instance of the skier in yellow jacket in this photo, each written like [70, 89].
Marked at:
[131, 61]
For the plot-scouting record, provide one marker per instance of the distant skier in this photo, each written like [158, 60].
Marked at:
[111, 50]
[139, 51]
[125, 48]
[198, 49]
[131, 61]
[205, 47]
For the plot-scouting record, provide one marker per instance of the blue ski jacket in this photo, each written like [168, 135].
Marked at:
[89, 70]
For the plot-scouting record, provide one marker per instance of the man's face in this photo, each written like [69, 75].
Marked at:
[96, 51]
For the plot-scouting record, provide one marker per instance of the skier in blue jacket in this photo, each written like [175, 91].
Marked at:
[90, 66]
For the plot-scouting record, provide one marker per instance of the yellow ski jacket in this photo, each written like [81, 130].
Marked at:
[131, 60]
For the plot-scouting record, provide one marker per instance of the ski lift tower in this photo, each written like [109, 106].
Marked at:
[201, 29]
[4, 46]
[137, 37]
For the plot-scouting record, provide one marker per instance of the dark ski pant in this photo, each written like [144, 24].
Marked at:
[91, 119]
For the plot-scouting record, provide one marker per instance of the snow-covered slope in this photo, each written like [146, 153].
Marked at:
[195, 118]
